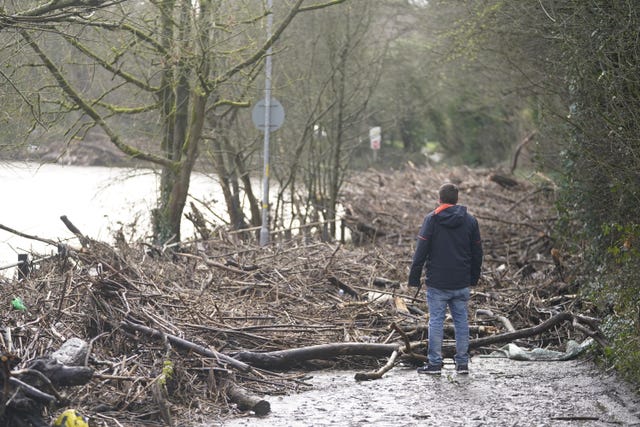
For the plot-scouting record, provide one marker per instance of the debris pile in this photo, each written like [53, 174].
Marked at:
[192, 336]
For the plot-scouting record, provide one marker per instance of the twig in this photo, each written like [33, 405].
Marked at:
[28, 236]
[32, 391]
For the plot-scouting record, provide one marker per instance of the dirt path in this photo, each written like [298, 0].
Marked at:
[498, 392]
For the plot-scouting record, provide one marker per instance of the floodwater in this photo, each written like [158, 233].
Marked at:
[498, 392]
[97, 200]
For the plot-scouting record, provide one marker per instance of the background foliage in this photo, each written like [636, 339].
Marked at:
[573, 65]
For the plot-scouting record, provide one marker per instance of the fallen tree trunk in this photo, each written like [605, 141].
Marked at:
[286, 359]
[507, 337]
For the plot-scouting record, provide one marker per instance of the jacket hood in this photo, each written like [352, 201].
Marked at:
[450, 216]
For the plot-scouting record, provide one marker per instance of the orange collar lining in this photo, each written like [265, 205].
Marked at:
[442, 207]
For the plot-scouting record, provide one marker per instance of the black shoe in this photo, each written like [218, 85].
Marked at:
[462, 369]
[430, 369]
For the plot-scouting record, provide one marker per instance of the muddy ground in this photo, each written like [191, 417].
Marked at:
[498, 392]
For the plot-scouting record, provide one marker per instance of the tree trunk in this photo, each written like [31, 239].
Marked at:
[184, 115]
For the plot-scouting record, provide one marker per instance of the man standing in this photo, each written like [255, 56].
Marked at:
[450, 248]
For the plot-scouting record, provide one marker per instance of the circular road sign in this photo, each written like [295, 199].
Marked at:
[276, 115]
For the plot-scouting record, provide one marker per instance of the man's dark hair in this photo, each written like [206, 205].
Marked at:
[448, 193]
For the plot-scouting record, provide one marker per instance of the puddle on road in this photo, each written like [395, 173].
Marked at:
[498, 392]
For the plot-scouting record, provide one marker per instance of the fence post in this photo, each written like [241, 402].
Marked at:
[24, 268]
[342, 227]
[325, 232]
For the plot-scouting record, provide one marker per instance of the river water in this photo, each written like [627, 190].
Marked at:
[97, 200]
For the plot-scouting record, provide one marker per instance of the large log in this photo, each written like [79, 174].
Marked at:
[521, 333]
[449, 350]
[287, 359]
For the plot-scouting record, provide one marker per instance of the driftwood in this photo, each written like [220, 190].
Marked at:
[289, 359]
[27, 391]
[28, 236]
[187, 345]
[84, 241]
[505, 322]
[246, 401]
[449, 350]
[229, 317]
[60, 375]
[522, 333]
[503, 180]
[360, 376]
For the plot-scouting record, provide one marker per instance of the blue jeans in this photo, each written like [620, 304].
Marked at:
[457, 300]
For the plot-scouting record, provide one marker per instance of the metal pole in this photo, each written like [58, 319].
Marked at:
[264, 230]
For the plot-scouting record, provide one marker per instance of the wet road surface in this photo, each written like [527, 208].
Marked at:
[498, 392]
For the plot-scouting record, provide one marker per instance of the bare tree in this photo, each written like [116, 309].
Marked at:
[326, 80]
[170, 63]
[22, 112]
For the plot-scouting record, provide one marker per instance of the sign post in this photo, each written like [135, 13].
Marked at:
[276, 115]
[264, 230]
[268, 116]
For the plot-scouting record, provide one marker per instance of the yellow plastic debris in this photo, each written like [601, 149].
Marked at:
[71, 418]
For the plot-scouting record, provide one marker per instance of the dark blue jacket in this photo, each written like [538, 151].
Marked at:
[450, 248]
